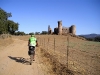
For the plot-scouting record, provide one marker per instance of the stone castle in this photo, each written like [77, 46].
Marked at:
[62, 30]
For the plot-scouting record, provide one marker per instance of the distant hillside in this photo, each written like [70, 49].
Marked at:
[90, 35]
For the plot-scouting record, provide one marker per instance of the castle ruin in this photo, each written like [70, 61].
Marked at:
[60, 30]
[49, 30]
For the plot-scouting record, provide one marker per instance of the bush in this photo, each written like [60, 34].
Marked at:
[97, 39]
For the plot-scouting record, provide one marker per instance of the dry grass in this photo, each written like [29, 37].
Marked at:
[25, 38]
[83, 55]
[53, 65]
[5, 42]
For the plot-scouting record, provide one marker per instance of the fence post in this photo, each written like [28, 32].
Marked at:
[44, 43]
[67, 50]
[40, 41]
[54, 45]
[48, 44]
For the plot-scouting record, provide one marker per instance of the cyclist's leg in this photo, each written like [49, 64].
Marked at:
[34, 55]
[29, 50]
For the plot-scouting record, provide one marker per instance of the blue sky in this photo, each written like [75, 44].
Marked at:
[36, 15]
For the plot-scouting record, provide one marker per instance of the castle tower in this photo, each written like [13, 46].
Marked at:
[59, 27]
[50, 32]
[48, 29]
[73, 29]
[56, 30]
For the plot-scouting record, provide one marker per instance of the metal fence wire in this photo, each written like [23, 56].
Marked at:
[80, 60]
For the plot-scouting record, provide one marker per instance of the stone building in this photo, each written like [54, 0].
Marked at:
[62, 30]
[49, 30]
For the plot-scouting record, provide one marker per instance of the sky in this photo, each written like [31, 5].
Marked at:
[36, 15]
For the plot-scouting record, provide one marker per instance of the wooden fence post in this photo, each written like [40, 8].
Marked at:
[40, 41]
[67, 50]
[54, 45]
[44, 42]
[48, 44]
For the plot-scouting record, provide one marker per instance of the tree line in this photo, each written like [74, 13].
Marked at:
[97, 38]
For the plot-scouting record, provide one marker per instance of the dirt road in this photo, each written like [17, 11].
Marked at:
[14, 60]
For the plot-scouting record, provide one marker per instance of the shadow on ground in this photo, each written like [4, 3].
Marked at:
[20, 60]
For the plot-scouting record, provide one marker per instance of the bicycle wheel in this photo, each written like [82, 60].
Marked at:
[31, 59]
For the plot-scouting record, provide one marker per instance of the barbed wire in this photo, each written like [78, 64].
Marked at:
[58, 46]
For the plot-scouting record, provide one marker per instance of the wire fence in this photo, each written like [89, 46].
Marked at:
[79, 58]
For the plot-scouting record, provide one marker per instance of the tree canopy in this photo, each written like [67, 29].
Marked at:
[44, 32]
[7, 26]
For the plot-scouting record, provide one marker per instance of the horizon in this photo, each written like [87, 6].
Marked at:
[36, 15]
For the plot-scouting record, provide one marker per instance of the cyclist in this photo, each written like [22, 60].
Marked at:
[32, 42]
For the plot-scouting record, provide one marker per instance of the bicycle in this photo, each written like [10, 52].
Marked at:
[31, 52]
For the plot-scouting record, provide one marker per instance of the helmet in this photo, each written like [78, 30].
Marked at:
[32, 35]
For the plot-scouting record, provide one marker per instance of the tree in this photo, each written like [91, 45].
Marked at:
[7, 26]
[44, 32]
[37, 33]
[12, 26]
[19, 33]
[32, 33]
[97, 38]
[3, 19]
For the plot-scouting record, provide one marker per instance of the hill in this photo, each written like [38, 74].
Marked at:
[90, 35]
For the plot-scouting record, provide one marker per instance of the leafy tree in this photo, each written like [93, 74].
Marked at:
[44, 32]
[37, 33]
[32, 33]
[7, 26]
[19, 33]
[97, 38]
[12, 26]
[3, 19]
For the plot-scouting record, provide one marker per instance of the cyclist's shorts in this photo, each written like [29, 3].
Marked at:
[31, 50]
[31, 47]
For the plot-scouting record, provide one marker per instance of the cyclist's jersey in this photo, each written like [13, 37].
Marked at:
[32, 41]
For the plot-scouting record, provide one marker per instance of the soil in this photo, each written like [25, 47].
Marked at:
[14, 60]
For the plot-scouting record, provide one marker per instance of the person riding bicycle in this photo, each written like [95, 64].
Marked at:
[32, 42]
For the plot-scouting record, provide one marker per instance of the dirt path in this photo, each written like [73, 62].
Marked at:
[14, 60]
